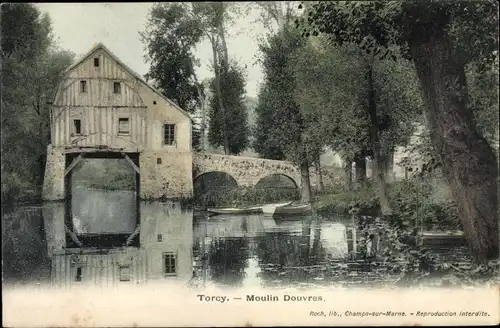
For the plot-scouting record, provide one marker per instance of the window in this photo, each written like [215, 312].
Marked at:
[83, 86]
[169, 134]
[77, 127]
[125, 273]
[117, 87]
[169, 267]
[123, 125]
[159, 237]
[96, 62]
[78, 275]
[158, 160]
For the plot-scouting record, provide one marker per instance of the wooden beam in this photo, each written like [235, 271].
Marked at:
[135, 233]
[73, 236]
[131, 163]
[73, 164]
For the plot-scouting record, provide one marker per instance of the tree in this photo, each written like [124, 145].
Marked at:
[285, 130]
[233, 96]
[170, 37]
[31, 71]
[440, 37]
[333, 91]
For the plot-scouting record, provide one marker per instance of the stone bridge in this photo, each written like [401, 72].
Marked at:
[246, 171]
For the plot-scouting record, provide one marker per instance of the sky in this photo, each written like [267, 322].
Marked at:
[79, 26]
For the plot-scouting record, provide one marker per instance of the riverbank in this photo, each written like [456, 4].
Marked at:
[422, 204]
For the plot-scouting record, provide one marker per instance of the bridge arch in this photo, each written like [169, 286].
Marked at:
[213, 180]
[276, 180]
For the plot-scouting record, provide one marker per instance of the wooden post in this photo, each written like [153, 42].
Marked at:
[73, 164]
[133, 234]
[136, 168]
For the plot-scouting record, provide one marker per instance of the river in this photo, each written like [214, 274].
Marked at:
[108, 238]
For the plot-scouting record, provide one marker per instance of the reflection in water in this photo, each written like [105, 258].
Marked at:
[166, 238]
[103, 212]
[256, 250]
[169, 244]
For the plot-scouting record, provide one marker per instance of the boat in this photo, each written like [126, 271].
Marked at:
[245, 210]
[287, 209]
[443, 238]
[233, 210]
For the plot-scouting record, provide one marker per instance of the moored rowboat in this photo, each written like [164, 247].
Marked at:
[233, 210]
[288, 210]
[245, 210]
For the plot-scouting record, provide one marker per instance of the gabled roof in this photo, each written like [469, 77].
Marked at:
[100, 46]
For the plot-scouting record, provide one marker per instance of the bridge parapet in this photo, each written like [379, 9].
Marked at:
[247, 171]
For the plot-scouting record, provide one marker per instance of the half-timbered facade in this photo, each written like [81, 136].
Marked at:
[103, 107]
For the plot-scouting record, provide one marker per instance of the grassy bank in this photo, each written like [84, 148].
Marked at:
[244, 197]
[427, 203]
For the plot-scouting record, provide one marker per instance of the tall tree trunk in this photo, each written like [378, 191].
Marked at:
[217, 69]
[377, 169]
[305, 190]
[360, 172]
[348, 175]
[387, 165]
[319, 176]
[468, 160]
[201, 97]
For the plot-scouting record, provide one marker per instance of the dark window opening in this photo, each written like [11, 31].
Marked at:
[117, 87]
[159, 237]
[125, 273]
[123, 126]
[169, 134]
[83, 86]
[78, 275]
[77, 126]
[169, 261]
[96, 62]
[158, 160]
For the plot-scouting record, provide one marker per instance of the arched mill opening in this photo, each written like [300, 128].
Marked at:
[214, 189]
[277, 187]
[102, 197]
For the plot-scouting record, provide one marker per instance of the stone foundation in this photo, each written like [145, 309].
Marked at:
[166, 175]
[53, 182]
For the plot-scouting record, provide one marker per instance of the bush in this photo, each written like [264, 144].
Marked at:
[413, 203]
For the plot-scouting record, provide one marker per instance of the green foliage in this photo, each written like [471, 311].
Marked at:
[414, 203]
[280, 124]
[31, 71]
[380, 28]
[105, 174]
[332, 92]
[233, 97]
[170, 38]
[483, 100]
[25, 32]
[232, 197]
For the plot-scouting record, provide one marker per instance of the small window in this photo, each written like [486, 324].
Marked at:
[117, 87]
[159, 237]
[77, 127]
[169, 134]
[83, 86]
[169, 261]
[158, 160]
[96, 62]
[125, 273]
[78, 274]
[123, 126]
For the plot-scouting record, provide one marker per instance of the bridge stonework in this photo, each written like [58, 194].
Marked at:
[247, 171]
